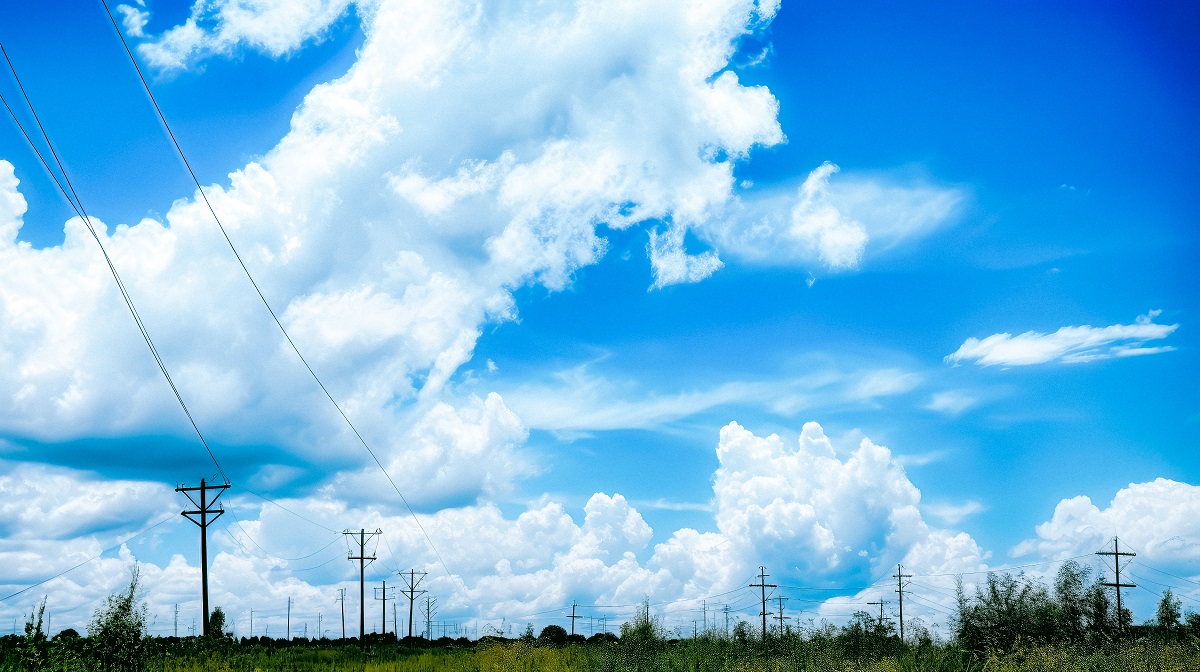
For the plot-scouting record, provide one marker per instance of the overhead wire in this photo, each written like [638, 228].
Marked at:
[94, 557]
[273, 555]
[72, 197]
[261, 296]
[77, 205]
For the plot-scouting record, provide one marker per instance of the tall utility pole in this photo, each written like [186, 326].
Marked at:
[342, 599]
[410, 591]
[206, 516]
[288, 634]
[1116, 554]
[361, 538]
[176, 621]
[573, 616]
[762, 583]
[900, 576]
[780, 616]
[383, 597]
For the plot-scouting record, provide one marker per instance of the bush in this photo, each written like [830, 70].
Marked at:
[117, 630]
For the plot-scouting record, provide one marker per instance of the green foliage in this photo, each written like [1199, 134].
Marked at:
[34, 649]
[1169, 612]
[216, 624]
[644, 627]
[1008, 611]
[117, 630]
[552, 635]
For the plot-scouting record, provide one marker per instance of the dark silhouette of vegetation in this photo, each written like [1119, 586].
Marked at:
[552, 635]
[117, 629]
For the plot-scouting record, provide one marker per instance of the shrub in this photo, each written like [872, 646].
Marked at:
[117, 630]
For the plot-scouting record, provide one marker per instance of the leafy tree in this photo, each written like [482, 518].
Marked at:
[216, 624]
[1169, 612]
[552, 635]
[527, 636]
[1192, 622]
[1099, 615]
[117, 630]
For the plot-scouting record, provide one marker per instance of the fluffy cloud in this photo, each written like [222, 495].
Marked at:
[805, 512]
[1068, 345]
[1154, 518]
[274, 27]
[392, 222]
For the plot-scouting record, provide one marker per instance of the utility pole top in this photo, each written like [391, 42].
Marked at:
[762, 583]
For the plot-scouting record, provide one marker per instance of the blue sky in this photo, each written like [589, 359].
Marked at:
[503, 256]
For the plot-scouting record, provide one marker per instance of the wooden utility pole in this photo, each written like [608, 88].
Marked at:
[1116, 554]
[762, 583]
[880, 603]
[410, 591]
[382, 596]
[206, 516]
[363, 559]
[780, 616]
[342, 599]
[900, 576]
[288, 635]
[573, 616]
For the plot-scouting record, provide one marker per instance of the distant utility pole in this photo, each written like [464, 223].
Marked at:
[428, 610]
[780, 616]
[288, 636]
[362, 558]
[762, 583]
[204, 510]
[880, 603]
[318, 625]
[252, 623]
[410, 591]
[573, 616]
[727, 619]
[176, 620]
[1116, 554]
[383, 596]
[342, 598]
[900, 576]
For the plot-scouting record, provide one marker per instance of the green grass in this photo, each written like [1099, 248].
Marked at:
[686, 656]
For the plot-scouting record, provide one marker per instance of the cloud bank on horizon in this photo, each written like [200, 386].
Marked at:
[410, 201]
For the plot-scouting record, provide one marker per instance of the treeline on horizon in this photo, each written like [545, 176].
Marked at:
[1009, 622]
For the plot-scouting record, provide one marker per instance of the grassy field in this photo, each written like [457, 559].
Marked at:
[684, 656]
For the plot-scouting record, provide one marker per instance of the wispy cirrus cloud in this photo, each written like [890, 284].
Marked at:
[576, 401]
[1068, 345]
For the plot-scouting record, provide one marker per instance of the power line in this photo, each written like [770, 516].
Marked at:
[94, 557]
[261, 296]
[277, 557]
[77, 205]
